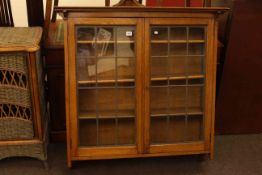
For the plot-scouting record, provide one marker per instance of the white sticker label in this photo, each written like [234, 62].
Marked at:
[156, 32]
[129, 33]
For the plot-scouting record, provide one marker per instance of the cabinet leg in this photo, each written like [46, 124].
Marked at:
[211, 155]
[69, 163]
[46, 165]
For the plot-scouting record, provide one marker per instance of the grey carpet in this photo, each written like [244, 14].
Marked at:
[234, 155]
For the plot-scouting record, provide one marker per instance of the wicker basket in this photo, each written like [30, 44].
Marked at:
[16, 102]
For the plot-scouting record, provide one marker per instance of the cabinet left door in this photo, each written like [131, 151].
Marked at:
[103, 86]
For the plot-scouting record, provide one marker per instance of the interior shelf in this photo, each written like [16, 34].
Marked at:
[176, 41]
[110, 114]
[192, 111]
[181, 55]
[102, 42]
[130, 80]
[129, 41]
[177, 77]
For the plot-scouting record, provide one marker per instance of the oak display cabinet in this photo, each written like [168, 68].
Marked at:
[140, 81]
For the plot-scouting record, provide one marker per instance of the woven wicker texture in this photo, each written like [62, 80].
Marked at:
[15, 111]
[20, 36]
[14, 62]
[15, 98]
[31, 150]
[23, 129]
[16, 105]
[15, 95]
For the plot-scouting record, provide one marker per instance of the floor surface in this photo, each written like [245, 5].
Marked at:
[234, 155]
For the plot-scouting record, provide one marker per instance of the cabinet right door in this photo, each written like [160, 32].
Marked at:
[180, 84]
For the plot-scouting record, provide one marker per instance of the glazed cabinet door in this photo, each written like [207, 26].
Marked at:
[105, 94]
[179, 85]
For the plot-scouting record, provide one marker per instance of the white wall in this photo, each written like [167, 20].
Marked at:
[19, 8]
[19, 11]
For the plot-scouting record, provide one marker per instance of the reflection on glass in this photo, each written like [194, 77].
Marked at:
[84, 51]
[125, 50]
[101, 42]
[104, 34]
[98, 41]
[106, 85]
[106, 54]
[125, 68]
[106, 69]
[105, 49]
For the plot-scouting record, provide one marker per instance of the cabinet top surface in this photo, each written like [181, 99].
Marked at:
[67, 11]
[20, 38]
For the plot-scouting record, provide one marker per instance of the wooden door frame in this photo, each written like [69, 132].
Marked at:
[76, 153]
[210, 64]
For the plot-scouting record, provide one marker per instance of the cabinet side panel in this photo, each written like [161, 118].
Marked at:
[72, 86]
[67, 94]
[212, 139]
[35, 95]
[210, 85]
